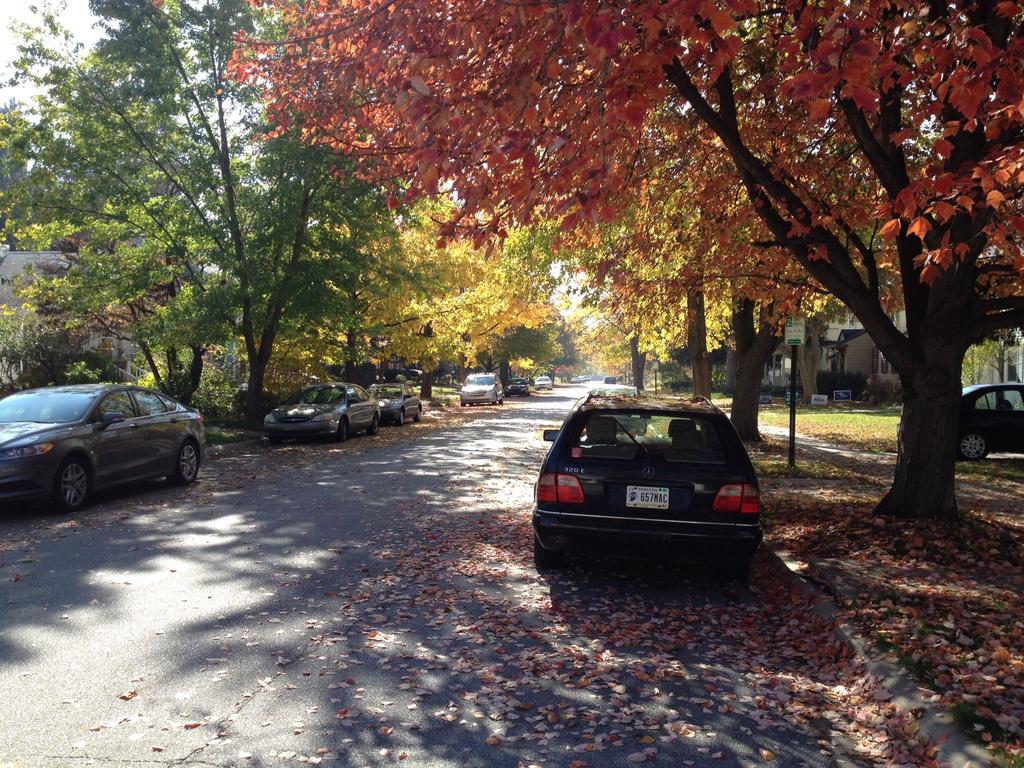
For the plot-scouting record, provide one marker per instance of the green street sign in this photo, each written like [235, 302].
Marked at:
[796, 330]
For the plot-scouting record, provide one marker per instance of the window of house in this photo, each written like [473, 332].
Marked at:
[878, 362]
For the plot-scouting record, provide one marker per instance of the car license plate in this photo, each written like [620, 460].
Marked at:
[646, 497]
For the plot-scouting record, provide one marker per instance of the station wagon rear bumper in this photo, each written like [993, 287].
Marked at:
[611, 537]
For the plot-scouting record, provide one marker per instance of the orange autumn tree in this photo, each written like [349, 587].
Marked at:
[842, 122]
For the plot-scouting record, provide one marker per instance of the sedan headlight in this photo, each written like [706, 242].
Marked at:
[320, 417]
[26, 450]
[269, 419]
[385, 403]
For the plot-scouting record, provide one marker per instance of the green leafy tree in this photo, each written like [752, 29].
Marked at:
[148, 150]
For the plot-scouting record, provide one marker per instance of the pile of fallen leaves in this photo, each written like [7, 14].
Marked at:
[947, 602]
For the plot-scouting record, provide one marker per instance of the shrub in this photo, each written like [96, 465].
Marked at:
[718, 378]
[883, 390]
[829, 381]
[216, 397]
[80, 372]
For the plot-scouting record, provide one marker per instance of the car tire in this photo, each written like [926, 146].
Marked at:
[972, 446]
[186, 467]
[341, 434]
[401, 418]
[501, 401]
[546, 559]
[374, 427]
[419, 414]
[70, 486]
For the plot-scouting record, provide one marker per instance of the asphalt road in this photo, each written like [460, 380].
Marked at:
[372, 605]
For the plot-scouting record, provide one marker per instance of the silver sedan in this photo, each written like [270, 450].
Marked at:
[334, 410]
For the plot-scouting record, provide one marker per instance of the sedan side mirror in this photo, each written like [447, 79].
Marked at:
[550, 435]
[111, 417]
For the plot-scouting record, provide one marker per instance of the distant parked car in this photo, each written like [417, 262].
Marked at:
[397, 402]
[542, 382]
[336, 410]
[518, 386]
[991, 420]
[601, 388]
[641, 478]
[60, 444]
[481, 388]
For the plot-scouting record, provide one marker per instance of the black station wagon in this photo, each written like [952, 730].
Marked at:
[638, 477]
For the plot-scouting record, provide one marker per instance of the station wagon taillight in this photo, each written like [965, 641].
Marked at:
[565, 489]
[738, 498]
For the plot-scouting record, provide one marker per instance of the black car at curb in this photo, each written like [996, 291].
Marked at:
[991, 420]
[647, 478]
[517, 387]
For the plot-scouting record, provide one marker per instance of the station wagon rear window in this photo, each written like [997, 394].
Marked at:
[624, 435]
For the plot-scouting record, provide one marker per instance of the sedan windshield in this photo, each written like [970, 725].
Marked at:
[481, 379]
[46, 406]
[318, 396]
[385, 391]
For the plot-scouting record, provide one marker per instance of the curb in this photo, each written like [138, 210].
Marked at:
[230, 449]
[935, 723]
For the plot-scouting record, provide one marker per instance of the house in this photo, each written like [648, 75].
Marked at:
[845, 348]
[17, 268]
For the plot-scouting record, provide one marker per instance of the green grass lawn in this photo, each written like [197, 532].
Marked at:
[217, 434]
[862, 427]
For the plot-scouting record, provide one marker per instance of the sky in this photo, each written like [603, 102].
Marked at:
[75, 16]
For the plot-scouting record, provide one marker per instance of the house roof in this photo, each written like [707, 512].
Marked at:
[845, 337]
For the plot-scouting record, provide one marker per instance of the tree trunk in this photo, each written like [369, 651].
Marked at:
[637, 360]
[754, 348]
[147, 352]
[504, 373]
[744, 413]
[350, 355]
[697, 343]
[254, 392]
[809, 359]
[195, 375]
[923, 485]
[427, 385]
[730, 371]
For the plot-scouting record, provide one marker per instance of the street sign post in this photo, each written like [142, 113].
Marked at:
[796, 330]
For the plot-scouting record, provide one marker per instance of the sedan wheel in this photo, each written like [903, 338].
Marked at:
[71, 486]
[342, 434]
[401, 418]
[419, 413]
[374, 425]
[972, 446]
[187, 468]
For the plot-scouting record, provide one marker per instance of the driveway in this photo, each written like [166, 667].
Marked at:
[378, 605]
